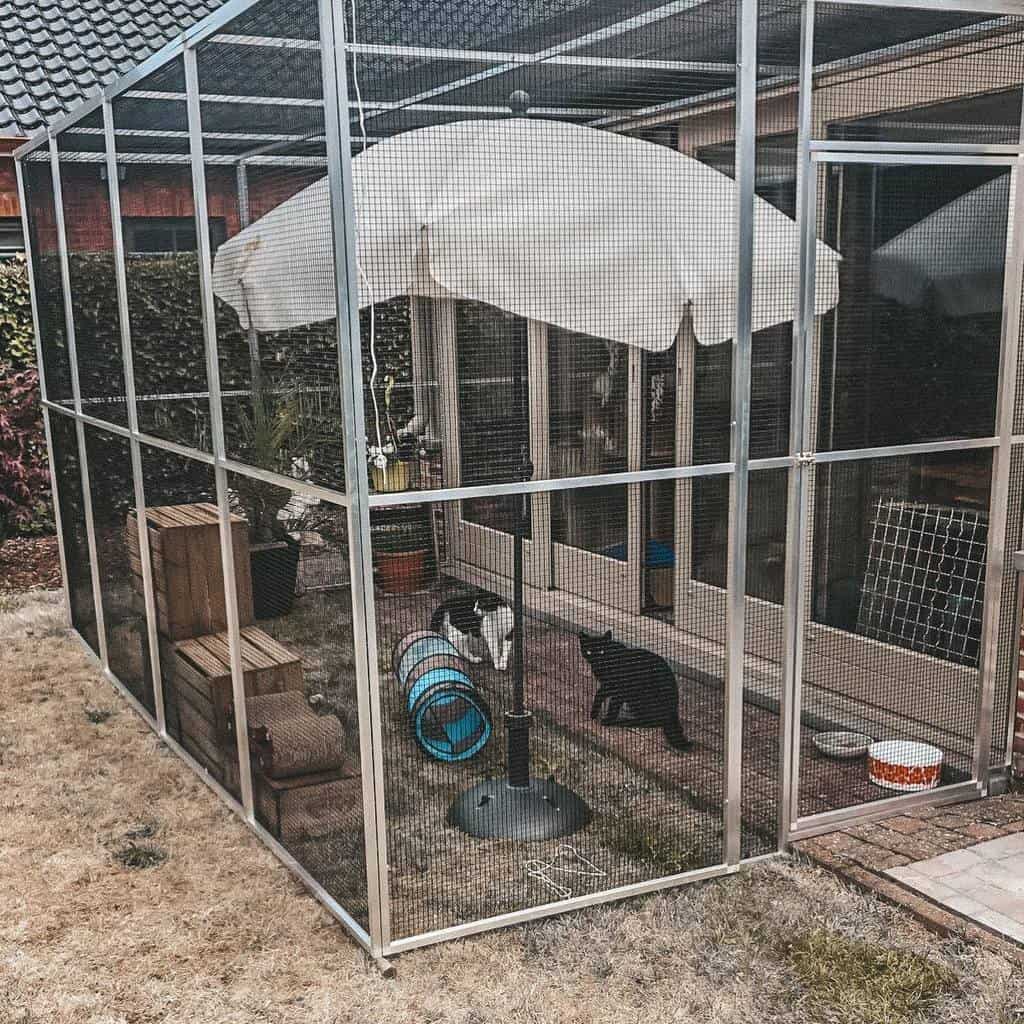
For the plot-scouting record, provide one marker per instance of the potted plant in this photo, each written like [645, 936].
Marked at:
[272, 437]
[399, 553]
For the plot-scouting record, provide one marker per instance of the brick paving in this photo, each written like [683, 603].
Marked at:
[864, 854]
[983, 882]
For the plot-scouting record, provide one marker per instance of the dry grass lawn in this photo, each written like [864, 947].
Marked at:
[129, 894]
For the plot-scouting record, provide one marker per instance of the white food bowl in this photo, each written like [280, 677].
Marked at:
[904, 765]
[842, 745]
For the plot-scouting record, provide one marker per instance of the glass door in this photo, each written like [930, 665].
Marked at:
[489, 351]
[590, 433]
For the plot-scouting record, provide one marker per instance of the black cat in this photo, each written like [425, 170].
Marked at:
[638, 680]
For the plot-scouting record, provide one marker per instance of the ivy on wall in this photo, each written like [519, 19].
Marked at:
[165, 315]
[298, 369]
[24, 477]
[17, 343]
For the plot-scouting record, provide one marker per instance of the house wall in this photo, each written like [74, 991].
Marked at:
[8, 182]
[151, 190]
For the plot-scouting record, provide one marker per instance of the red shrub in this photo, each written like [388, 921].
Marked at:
[24, 477]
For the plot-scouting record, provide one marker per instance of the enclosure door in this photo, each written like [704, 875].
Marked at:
[897, 492]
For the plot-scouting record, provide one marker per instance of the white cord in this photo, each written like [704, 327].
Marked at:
[379, 459]
[580, 866]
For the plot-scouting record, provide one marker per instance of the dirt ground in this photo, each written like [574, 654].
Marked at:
[130, 895]
[29, 563]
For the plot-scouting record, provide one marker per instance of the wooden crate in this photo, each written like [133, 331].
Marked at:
[188, 578]
[310, 806]
[197, 688]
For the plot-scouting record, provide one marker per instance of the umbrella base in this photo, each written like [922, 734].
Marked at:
[542, 810]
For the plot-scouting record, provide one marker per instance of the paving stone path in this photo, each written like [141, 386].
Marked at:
[957, 869]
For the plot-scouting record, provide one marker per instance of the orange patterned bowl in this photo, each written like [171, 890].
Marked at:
[904, 765]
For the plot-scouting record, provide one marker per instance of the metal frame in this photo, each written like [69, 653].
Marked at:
[1017, 662]
[739, 487]
[966, 155]
[76, 394]
[997, 561]
[967, 6]
[357, 501]
[798, 496]
[227, 546]
[128, 368]
[357, 482]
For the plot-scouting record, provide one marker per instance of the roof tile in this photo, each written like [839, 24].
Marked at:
[53, 53]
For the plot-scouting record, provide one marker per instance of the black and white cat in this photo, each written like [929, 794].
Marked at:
[474, 622]
[636, 680]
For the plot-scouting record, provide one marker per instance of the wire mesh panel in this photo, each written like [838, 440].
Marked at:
[911, 352]
[115, 526]
[713, 140]
[93, 296]
[301, 693]
[627, 716]
[47, 287]
[191, 614]
[916, 75]
[67, 471]
[918, 553]
[548, 313]
[892, 645]
[763, 665]
[162, 270]
[274, 282]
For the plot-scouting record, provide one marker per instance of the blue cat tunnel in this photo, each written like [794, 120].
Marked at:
[450, 719]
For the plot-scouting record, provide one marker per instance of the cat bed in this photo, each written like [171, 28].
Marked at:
[266, 706]
[657, 554]
[450, 720]
[289, 739]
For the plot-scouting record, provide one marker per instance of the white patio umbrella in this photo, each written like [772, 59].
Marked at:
[954, 258]
[588, 230]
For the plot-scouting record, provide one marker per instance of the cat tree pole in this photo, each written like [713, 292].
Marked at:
[518, 806]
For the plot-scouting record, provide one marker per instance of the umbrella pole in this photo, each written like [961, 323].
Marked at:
[519, 807]
[517, 721]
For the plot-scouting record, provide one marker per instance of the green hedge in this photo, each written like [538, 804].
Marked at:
[17, 342]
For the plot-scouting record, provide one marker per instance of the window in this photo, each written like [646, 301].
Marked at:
[168, 234]
[491, 349]
[11, 240]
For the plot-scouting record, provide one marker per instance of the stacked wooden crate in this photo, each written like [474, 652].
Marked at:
[188, 577]
[198, 696]
[195, 664]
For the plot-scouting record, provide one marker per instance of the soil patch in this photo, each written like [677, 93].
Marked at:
[29, 563]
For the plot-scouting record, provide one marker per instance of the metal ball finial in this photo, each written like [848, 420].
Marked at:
[519, 102]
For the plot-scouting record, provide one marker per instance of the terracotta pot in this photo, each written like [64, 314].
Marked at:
[401, 572]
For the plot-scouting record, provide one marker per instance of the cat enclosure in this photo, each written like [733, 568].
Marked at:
[525, 455]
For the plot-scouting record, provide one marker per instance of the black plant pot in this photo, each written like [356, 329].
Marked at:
[275, 567]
